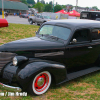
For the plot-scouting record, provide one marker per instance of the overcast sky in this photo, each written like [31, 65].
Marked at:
[82, 3]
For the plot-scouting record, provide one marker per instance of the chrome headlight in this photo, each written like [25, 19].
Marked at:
[15, 62]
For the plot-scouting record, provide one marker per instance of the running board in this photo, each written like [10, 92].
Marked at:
[73, 75]
[77, 74]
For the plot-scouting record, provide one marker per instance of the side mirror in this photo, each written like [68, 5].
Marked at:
[74, 40]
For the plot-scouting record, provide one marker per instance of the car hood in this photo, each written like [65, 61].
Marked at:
[33, 43]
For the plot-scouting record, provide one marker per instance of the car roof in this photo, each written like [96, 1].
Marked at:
[91, 11]
[72, 23]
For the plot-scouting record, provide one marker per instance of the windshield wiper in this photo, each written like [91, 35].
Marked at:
[51, 36]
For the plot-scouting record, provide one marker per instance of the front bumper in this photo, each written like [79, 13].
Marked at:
[16, 89]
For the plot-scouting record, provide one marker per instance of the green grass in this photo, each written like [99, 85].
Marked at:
[16, 31]
[83, 88]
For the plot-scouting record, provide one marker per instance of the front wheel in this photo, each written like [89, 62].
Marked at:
[30, 21]
[41, 83]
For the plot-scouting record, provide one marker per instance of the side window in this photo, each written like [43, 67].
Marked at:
[38, 16]
[95, 33]
[81, 35]
[84, 15]
[41, 16]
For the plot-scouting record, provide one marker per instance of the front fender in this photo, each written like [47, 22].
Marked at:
[26, 74]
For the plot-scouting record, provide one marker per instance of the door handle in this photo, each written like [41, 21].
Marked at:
[90, 47]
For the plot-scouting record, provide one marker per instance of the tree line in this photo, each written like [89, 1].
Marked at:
[43, 6]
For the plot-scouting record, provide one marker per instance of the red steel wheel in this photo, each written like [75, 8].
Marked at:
[41, 83]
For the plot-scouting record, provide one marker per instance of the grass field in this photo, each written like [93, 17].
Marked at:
[83, 88]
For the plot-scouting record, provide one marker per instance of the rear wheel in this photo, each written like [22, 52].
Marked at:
[41, 83]
[38, 24]
[44, 21]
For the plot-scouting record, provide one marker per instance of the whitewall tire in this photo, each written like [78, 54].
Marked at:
[41, 83]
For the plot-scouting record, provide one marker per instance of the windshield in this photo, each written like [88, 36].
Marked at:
[56, 31]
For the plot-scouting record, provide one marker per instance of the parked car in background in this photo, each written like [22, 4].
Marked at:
[3, 23]
[98, 19]
[61, 51]
[24, 15]
[38, 19]
[93, 15]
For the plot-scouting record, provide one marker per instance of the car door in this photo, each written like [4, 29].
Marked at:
[39, 19]
[79, 54]
[95, 45]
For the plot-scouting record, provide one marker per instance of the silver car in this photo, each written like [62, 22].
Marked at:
[38, 19]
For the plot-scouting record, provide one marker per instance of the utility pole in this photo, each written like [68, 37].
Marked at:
[53, 5]
[76, 4]
[2, 10]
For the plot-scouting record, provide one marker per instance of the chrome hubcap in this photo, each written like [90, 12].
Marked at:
[40, 82]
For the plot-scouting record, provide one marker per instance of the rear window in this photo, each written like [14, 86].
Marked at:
[84, 15]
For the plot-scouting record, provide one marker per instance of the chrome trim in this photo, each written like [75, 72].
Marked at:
[49, 54]
[17, 89]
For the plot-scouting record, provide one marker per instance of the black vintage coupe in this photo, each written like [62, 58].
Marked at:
[61, 50]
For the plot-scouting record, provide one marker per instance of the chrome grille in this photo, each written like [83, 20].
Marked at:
[5, 58]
